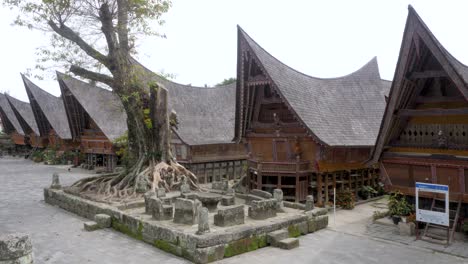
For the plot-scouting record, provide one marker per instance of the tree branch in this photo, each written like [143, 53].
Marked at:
[122, 24]
[98, 77]
[105, 16]
[71, 35]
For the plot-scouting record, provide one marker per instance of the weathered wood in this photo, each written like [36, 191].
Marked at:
[432, 112]
[426, 74]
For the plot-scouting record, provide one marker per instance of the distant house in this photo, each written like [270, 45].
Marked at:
[306, 135]
[25, 116]
[49, 113]
[424, 132]
[10, 123]
[96, 119]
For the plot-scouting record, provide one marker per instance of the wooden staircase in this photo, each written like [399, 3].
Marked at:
[442, 234]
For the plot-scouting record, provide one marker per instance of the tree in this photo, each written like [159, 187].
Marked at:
[96, 39]
[226, 81]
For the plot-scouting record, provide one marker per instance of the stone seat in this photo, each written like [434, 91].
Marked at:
[288, 243]
[209, 200]
[274, 237]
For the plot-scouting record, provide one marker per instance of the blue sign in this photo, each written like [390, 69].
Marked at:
[430, 186]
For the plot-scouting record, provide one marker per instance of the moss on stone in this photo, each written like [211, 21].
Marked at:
[245, 245]
[121, 227]
[168, 247]
[294, 231]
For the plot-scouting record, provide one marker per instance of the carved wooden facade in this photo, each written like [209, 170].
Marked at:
[288, 148]
[424, 134]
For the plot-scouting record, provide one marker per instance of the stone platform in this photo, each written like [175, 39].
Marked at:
[182, 239]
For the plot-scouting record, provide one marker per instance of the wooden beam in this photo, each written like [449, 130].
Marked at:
[426, 74]
[439, 99]
[432, 112]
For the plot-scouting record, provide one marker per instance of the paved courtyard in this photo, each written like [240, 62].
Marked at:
[58, 236]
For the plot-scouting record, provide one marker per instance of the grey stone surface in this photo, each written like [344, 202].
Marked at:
[260, 193]
[103, 220]
[159, 210]
[274, 237]
[209, 200]
[288, 243]
[14, 246]
[161, 192]
[203, 223]
[228, 200]
[278, 195]
[263, 209]
[91, 226]
[309, 204]
[220, 185]
[230, 216]
[250, 197]
[406, 229]
[55, 181]
[185, 211]
[148, 203]
[317, 222]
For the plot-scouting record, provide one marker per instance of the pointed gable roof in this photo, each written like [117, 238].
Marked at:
[103, 106]
[9, 114]
[416, 31]
[52, 107]
[25, 111]
[343, 111]
[206, 114]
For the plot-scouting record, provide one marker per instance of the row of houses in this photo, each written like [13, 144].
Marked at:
[303, 134]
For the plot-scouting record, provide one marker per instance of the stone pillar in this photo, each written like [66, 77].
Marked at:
[161, 192]
[147, 196]
[278, 195]
[15, 249]
[203, 225]
[55, 181]
[185, 187]
[309, 205]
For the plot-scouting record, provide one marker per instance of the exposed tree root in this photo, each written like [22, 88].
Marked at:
[133, 183]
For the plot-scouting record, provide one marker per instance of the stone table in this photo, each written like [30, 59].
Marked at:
[209, 200]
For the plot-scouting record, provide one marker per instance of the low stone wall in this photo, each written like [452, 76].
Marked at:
[201, 248]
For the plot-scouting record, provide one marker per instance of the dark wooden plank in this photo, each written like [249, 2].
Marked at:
[426, 74]
[432, 112]
[439, 99]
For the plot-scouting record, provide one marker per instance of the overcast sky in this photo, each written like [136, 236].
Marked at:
[319, 38]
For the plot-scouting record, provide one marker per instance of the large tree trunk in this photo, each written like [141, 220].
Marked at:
[151, 163]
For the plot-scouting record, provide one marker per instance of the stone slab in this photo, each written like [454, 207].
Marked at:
[230, 216]
[14, 246]
[288, 243]
[274, 237]
[103, 220]
[91, 226]
[260, 193]
[263, 209]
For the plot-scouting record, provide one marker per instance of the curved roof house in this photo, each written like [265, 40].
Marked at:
[24, 114]
[302, 130]
[48, 110]
[8, 117]
[424, 133]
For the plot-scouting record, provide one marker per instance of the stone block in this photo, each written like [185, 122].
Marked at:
[220, 185]
[228, 200]
[309, 204]
[103, 220]
[298, 229]
[159, 210]
[148, 206]
[185, 188]
[209, 200]
[406, 229]
[185, 211]
[204, 255]
[274, 237]
[263, 209]
[16, 248]
[55, 182]
[190, 195]
[288, 243]
[260, 193]
[250, 197]
[91, 226]
[161, 192]
[316, 223]
[203, 224]
[230, 216]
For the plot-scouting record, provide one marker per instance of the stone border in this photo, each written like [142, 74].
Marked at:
[202, 248]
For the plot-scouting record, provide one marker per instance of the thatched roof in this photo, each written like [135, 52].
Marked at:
[342, 111]
[103, 106]
[51, 106]
[25, 111]
[205, 114]
[9, 119]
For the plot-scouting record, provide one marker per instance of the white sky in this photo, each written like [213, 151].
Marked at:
[319, 38]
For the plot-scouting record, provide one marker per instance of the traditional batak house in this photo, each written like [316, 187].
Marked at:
[25, 116]
[10, 123]
[306, 135]
[49, 113]
[96, 118]
[424, 132]
[203, 142]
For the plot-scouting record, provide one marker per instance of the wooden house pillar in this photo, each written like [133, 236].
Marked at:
[319, 188]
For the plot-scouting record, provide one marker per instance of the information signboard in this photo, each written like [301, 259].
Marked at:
[428, 216]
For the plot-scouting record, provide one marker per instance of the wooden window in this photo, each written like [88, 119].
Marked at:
[281, 150]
